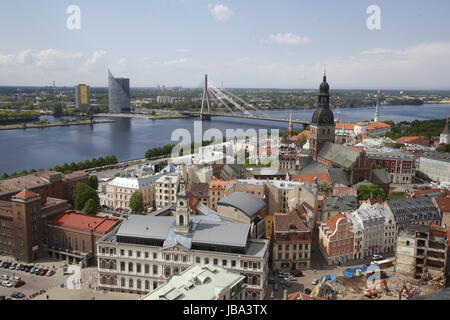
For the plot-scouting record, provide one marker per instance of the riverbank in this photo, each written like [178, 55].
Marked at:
[51, 124]
[175, 115]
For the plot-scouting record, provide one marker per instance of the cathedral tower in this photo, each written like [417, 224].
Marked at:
[322, 129]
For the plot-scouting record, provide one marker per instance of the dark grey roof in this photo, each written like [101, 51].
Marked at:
[304, 161]
[380, 176]
[147, 226]
[205, 229]
[228, 233]
[230, 171]
[338, 176]
[245, 202]
[314, 168]
[417, 209]
[445, 156]
[339, 155]
[273, 172]
[163, 211]
[345, 203]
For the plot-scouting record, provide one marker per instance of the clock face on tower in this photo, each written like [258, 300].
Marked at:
[326, 119]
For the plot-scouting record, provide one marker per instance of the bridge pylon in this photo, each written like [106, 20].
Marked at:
[205, 100]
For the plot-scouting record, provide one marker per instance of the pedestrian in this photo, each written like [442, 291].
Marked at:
[47, 297]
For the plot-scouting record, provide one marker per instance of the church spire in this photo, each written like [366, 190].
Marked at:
[376, 118]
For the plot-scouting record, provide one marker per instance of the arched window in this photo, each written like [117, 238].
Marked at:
[167, 271]
[155, 285]
[103, 264]
[138, 283]
[147, 285]
[130, 283]
[130, 267]
[181, 220]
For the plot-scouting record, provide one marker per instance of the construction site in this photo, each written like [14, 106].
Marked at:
[367, 283]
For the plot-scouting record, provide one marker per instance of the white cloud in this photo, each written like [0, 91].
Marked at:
[220, 12]
[183, 50]
[98, 61]
[287, 39]
[177, 61]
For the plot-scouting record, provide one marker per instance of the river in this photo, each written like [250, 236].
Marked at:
[130, 138]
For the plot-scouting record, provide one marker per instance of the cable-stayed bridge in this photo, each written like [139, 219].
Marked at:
[230, 105]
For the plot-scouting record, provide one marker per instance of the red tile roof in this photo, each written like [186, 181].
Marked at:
[72, 219]
[377, 125]
[332, 222]
[309, 178]
[25, 193]
[409, 139]
[443, 204]
[345, 126]
[419, 193]
[344, 191]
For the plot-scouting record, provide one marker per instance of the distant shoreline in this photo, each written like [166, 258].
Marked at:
[51, 124]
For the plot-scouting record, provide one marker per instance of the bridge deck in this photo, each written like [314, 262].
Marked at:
[231, 115]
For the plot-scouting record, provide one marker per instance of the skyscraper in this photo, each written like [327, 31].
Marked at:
[82, 96]
[118, 94]
[322, 124]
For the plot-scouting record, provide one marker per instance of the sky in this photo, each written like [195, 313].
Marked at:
[242, 43]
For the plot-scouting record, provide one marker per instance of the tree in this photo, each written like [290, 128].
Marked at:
[366, 192]
[90, 207]
[82, 194]
[93, 182]
[5, 175]
[443, 148]
[301, 141]
[324, 187]
[137, 203]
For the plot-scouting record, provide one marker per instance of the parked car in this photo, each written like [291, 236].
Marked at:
[19, 283]
[283, 274]
[290, 278]
[7, 284]
[17, 295]
[6, 265]
[36, 270]
[2, 297]
[315, 282]
[28, 268]
[297, 273]
[43, 272]
[4, 277]
[13, 266]
[50, 273]
[377, 257]
[14, 278]
[23, 267]
[18, 267]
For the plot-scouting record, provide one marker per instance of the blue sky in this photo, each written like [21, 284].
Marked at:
[244, 43]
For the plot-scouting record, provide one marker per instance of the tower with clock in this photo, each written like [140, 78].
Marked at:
[322, 129]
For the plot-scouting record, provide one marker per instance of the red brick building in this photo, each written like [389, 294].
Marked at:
[72, 236]
[336, 239]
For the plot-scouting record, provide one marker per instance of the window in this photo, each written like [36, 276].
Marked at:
[216, 262]
[138, 283]
[147, 269]
[122, 282]
[84, 245]
[147, 285]
[138, 254]
[155, 269]
[130, 283]
[233, 263]
[197, 260]
[138, 268]
[224, 262]
[130, 267]
[130, 253]
[206, 261]
[155, 255]
[146, 255]
[122, 266]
